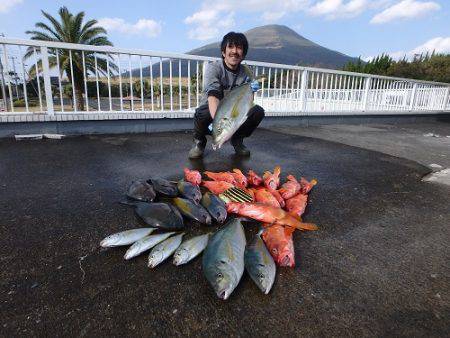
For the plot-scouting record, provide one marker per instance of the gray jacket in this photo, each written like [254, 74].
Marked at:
[219, 79]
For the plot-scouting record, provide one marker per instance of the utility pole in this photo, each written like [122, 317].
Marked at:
[3, 81]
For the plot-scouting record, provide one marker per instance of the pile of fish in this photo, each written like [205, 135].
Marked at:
[171, 207]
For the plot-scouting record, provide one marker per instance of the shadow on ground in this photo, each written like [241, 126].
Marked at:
[377, 267]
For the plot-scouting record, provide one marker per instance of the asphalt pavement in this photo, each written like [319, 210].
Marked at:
[378, 266]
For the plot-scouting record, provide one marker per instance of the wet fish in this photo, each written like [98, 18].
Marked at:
[192, 176]
[307, 185]
[268, 214]
[223, 259]
[260, 264]
[158, 215]
[224, 176]
[280, 244]
[191, 210]
[189, 191]
[231, 113]
[215, 206]
[125, 237]
[190, 249]
[141, 191]
[164, 250]
[297, 204]
[163, 187]
[290, 188]
[263, 195]
[241, 180]
[253, 178]
[145, 244]
[272, 181]
[217, 187]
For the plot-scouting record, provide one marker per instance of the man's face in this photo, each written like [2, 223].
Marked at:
[233, 55]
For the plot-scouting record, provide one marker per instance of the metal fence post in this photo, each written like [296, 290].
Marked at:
[2, 79]
[47, 83]
[303, 88]
[367, 83]
[447, 94]
[413, 97]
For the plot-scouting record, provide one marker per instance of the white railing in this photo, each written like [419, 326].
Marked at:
[114, 80]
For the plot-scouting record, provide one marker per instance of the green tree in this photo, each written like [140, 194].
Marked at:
[71, 29]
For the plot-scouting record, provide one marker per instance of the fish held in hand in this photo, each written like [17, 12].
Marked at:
[290, 188]
[223, 259]
[253, 178]
[217, 187]
[189, 191]
[164, 250]
[280, 244]
[215, 206]
[145, 244]
[192, 176]
[192, 210]
[190, 249]
[163, 187]
[231, 113]
[125, 237]
[260, 264]
[141, 191]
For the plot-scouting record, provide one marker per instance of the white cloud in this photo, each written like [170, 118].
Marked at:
[147, 27]
[438, 45]
[405, 9]
[336, 9]
[214, 19]
[6, 5]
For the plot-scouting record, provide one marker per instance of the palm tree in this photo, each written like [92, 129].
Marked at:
[72, 30]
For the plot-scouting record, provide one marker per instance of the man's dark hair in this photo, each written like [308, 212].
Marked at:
[237, 39]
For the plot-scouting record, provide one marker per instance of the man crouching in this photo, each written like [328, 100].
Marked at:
[219, 78]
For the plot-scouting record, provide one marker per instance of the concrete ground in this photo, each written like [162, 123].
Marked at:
[378, 266]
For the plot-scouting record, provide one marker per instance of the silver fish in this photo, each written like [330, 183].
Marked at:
[190, 249]
[125, 237]
[231, 114]
[163, 250]
[145, 244]
[223, 259]
[259, 264]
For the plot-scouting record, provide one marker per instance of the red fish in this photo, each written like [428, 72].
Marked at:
[290, 188]
[192, 176]
[222, 176]
[268, 214]
[272, 181]
[263, 195]
[253, 178]
[217, 187]
[241, 180]
[279, 198]
[307, 186]
[297, 204]
[279, 241]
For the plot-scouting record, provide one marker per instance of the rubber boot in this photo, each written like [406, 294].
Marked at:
[197, 149]
[239, 147]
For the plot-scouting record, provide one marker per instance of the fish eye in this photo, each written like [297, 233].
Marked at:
[274, 250]
[219, 275]
[261, 276]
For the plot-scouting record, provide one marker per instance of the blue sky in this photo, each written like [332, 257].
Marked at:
[353, 27]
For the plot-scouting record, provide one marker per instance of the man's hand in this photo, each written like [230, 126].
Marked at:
[213, 103]
[255, 86]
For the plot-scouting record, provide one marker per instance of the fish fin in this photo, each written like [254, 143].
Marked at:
[308, 226]
[128, 202]
[288, 230]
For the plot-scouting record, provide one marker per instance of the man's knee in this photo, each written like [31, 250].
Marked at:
[257, 112]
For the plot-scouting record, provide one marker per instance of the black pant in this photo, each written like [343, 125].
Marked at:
[202, 119]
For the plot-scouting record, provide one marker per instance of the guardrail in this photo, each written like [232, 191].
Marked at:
[36, 78]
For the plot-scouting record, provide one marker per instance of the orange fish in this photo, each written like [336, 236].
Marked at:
[297, 204]
[272, 181]
[290, 188]
[279, 198]
[222, 176]
[307, 186]
[268, 214]
[241, 180]
[217, 187]
[253, 178]
[279, 241]
[262, 195]
[192, 176]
